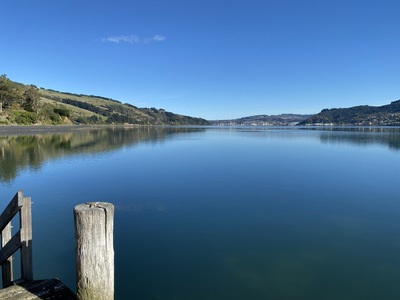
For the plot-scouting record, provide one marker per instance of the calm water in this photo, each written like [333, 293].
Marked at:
[221, 213]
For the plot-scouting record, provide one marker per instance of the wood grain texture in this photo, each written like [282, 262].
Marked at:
[37, 289]
[94, 250]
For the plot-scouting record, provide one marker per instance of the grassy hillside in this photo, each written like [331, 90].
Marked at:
[26, 104]
[386, 115]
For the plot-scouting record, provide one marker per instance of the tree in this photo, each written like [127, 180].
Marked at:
[32, 98]
[8, 92]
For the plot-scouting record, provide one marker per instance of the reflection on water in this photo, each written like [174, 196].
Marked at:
[18, 152]
[385, 136]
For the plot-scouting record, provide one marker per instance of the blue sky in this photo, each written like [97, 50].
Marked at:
[212, 59]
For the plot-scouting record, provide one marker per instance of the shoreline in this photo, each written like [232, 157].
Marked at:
[6, 130]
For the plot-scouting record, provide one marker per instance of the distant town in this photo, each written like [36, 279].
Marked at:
[263, 120]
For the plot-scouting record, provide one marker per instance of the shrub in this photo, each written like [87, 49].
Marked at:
[25, 117]
[62, 112]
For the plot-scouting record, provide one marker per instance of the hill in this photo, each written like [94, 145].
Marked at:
[27, 104]
[263, 120]
[364, 115]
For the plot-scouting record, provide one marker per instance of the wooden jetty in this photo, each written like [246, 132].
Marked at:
[94, 254]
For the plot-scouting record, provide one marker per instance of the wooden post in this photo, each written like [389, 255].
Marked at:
[94, 250]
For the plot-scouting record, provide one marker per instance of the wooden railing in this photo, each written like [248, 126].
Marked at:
[21, 240]
[94, 253]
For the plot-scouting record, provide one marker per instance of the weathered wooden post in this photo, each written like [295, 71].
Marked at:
[94, 250]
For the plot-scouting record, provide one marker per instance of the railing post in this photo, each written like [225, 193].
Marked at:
[94, 250]
[26, 239]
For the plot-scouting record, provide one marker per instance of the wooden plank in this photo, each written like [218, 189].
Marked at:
[7, 269]
[26, 240]
[38, 290]
[11, 210]
[12, 246]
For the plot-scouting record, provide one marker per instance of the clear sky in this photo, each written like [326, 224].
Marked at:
[216, 59]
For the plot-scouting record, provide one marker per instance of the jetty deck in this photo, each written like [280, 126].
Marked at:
[37, 290]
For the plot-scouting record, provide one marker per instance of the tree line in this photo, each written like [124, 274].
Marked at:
[26, 104]
[12, 94]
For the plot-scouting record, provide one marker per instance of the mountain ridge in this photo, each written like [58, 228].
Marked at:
[263, 120]
[28, 105]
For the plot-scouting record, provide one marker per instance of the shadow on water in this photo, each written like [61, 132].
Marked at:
[23, 151]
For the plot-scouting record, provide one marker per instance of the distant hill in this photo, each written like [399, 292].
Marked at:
[26, 104]
[263, 120]
[364, 115]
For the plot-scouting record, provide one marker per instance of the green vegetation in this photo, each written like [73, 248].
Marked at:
[27, 104]
[386, 115]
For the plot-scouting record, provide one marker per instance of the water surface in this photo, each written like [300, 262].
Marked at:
[220, 213]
